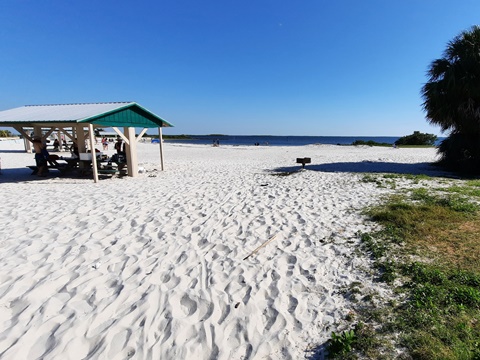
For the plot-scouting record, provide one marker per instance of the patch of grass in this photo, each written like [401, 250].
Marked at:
[441, 320]
[473, 183]
[368, 178]
[416, 146]
[361, 339]
[454, 202]
[472, 188]
[388, 270]
[341, 343]
[443, 228]
[381, 182]
[285, 173]
[439, 317]
[414, 177]
[389, 179]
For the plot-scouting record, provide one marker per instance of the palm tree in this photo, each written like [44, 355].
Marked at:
[452, 100]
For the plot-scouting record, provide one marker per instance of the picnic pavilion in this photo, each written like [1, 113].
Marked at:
[78, 121]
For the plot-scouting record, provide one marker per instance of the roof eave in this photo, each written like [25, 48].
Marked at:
[92, 119]
[39, 122]
[96, 116]
[164, 122]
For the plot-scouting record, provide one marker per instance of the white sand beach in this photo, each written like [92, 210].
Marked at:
[153, 267]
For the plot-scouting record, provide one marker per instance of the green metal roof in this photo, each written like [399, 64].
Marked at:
[131, 115]
[121, 114]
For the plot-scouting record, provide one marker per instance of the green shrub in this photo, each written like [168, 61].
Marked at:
[341, 343]
[417, 138]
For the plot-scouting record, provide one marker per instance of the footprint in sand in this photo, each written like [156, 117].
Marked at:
[188, 305]
[292, 305]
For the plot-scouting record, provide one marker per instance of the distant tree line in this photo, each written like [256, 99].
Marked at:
[172, 137]
[5, 133]
[369, 143]
[417, 138]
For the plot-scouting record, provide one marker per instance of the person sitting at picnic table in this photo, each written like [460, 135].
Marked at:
[40, 159]
[52, 160]
[120, 157]
[120, 146]
[74, 149]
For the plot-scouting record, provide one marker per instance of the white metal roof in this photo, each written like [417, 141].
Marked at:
[64, 112]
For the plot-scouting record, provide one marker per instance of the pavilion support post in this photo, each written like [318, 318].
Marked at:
[160, 139]
[80, 140]
[131, 150]
[37, 131]
[28, 145]
[26, 142]
[80, 133]
[93, 152]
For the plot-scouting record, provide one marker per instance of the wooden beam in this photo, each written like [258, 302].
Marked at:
[49, 132]
[131, 150]
[117, 130]
[81, 139]
[21, 131]
[26, 138]
[67, 134]
[141, 134]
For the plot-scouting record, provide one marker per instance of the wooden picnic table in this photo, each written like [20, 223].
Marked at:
[106, 166]
[62, 164]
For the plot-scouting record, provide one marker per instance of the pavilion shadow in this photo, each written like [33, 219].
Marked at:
[6, 151]
[18, 175]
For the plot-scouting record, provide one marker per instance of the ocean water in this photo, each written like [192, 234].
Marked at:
[263, 140]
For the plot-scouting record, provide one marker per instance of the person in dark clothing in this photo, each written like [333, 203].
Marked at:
[121, 156]
[40, 158]
[120, 146]
[74, 149]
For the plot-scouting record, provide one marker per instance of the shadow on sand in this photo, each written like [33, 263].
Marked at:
[372, 167]
[318, 352]
[19, 175]
[12, 151]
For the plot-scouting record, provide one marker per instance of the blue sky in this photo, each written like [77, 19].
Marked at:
[263, 67]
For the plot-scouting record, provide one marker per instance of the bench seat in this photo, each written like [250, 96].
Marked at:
[107, 171]
[63, 168]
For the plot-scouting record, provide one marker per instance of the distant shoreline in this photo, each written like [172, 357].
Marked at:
[270, 140]
[274, 140]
